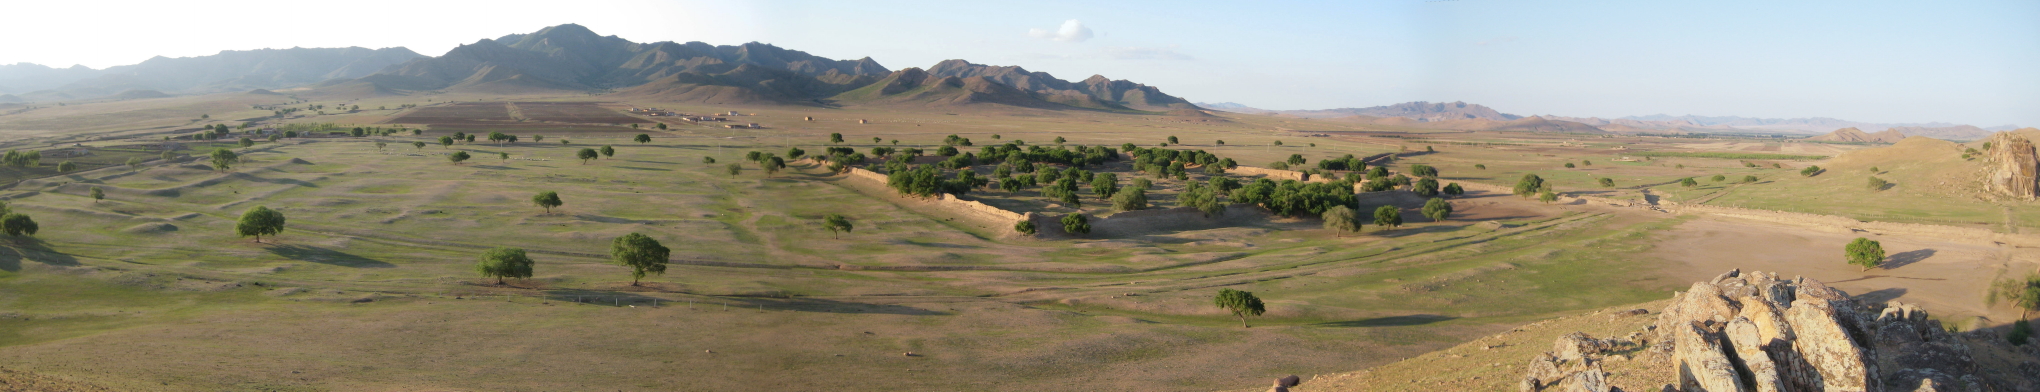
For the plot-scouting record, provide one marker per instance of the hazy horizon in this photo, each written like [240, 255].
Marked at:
[1968, 63]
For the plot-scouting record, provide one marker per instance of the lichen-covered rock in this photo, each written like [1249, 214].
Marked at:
[1700, 362]
[2014, 169]
[1756, 332]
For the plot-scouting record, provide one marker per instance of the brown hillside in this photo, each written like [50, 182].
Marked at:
[1853, 135]
[1526, 124]
[501, 80]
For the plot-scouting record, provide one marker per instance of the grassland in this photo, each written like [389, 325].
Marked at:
[371, 286]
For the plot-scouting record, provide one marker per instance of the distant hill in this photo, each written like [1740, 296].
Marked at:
[1420, 110]
[1958, 133]
[1853, 135]
[1526, 124]
[1232, 107]
[138, 94]
[233, 70]
[1096, 91]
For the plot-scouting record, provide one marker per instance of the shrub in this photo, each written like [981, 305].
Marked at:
[1024, 227]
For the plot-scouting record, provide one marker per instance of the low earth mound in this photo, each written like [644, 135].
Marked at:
[1756, 332]
[299, 161]
[1853, 135]
[2013, 169]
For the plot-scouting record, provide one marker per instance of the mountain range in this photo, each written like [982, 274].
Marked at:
[572, 58]
[1427, 112]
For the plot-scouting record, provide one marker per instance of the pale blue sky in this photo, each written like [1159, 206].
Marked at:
[1975, 62]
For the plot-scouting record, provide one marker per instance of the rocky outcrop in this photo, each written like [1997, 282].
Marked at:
[1757, 333]
[2014, 169]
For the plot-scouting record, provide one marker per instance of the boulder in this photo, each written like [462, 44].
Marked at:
[2012, 167]
[1751, 358]
[1828, 349]
[1700, 363]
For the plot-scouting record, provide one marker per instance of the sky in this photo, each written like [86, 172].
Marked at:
[1971, 62]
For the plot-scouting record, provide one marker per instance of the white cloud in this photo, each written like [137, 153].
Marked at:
[1139, 53]
[1071, 31]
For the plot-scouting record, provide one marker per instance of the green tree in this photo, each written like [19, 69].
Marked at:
[2023, 294]
[587, 154]
[66, 167]
[1453, 189]
[708, 160]
[1425, 187]
[98, 194]
[1105, 185]
[1241, 304]
[547, 200]
[260, 221]
[17, 225]
[167, 156]
[1076, 224]
[1204, 198]
[1296, 159]
[1024, 227]
[503, 262]
[733, 169]
[641, 253]
[1480, 166]
[1719, 178]
[836, 223]
[1607, 182]
[246, 142]
[134, 162]
[223, 159]
[771, 165]
[1529, 185]
[1866, 253]
[1749, 179]
[642, 138]
[418, 145]
[1172, 140]
[1388, 216]
[1437, 209]
[458, 156]
[1341, 220]
[1810, 171]
[608, 152]
[503, 157]
[1547, 196]
[1878, 184]
[1059, 140]
[445, 141]
[1688, 182]
[1569, 165]
[1129, 200]
[837, 138]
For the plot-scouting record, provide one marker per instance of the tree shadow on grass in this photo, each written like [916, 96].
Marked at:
[496, 167]
[735, 303]
[13, 251]
[641, 168]
[1410, 231]
[320, 255]
[1902, 259]
[1885, 295]
[1391, 321]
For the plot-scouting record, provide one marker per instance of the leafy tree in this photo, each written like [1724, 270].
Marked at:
[1241, 304]
[733, 169]
[708, 160]
[16, 225]
[1341, 220]
[1453, 189]
[1688, 182]
[537, 138]
[1172, 140]
[836, 138]
[661, 126]
[795, 153]
[1877, 184]
[134, 162]
[1529, 185]
[1296, 159]
[502, 262]
[1204, 198]
[547, 200]
[1569, 165]
[1076, 224]
[223, 159]
[641, 253]
[642, 138]
[445, 141]
[1437, 209]
[2023, 294]
[418, 145]
[1129, 200]
[246, 142]
[1607, 182]
[771, 165]
[167, 156]
[458, 156]
[1388, 216]
[1425, 187]
[1024, 227]
[66, 167]
[1423, 170]
[1811, 171]
[1873, 170]
[260, 221]
[1105, 185]
[1719, 178]
[1864, 252]
[1480, 166]
[608, 152]
[1547, 196]
[1278, 143]
[836, 223]
[98, 194]
[587, 154]
[1749, 179]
